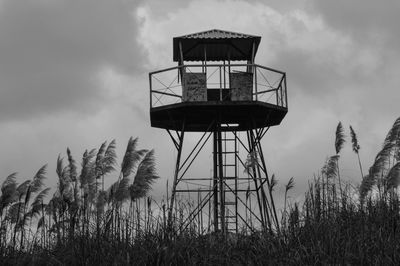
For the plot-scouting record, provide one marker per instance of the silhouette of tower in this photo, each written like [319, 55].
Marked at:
[217, 90]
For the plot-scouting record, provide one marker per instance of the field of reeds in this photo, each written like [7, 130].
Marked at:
[86, 223]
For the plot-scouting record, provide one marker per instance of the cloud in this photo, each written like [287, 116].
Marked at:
[52, 51]
[373, 79]
[365, 19]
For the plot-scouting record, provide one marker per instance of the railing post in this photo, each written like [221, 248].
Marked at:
[286, 102]
[279, 89]
[220, 83]
[255, 81]
[151, 89]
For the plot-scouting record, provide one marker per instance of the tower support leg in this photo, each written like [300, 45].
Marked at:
[215, 181]
[264, 168]
[178, 144]
[256, 177]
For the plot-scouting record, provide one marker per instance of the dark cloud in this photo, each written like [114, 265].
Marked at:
[365, 19]
[308, 76]
[51, 53]
[321, 60]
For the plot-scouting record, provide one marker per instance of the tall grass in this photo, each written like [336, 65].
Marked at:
[81, 208]
[85, 223]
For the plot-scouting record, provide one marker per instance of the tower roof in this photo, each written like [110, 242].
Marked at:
[215, 45]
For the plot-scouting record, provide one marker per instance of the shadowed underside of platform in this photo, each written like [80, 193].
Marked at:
[205, 116]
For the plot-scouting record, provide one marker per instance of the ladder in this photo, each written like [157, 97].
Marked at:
[228, 201]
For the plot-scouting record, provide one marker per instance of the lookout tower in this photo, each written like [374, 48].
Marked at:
[219, 91]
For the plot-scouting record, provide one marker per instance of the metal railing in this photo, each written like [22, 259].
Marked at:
[269, 85]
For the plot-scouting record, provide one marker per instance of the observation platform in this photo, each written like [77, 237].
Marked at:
[205, 116]
[184, 98]
[214, 93]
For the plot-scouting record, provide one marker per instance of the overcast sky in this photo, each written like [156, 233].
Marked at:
[75, 73]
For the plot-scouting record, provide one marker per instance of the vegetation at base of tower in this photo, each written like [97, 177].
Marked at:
[85, 223]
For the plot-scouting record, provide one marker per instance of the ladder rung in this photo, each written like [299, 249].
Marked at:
[230, 203]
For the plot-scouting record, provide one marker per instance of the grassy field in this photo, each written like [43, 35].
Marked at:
[87, 224]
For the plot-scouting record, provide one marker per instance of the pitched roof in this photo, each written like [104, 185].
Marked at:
[215, 45]
[216, 34]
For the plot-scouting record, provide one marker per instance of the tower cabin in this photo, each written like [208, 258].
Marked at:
[217, 86]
